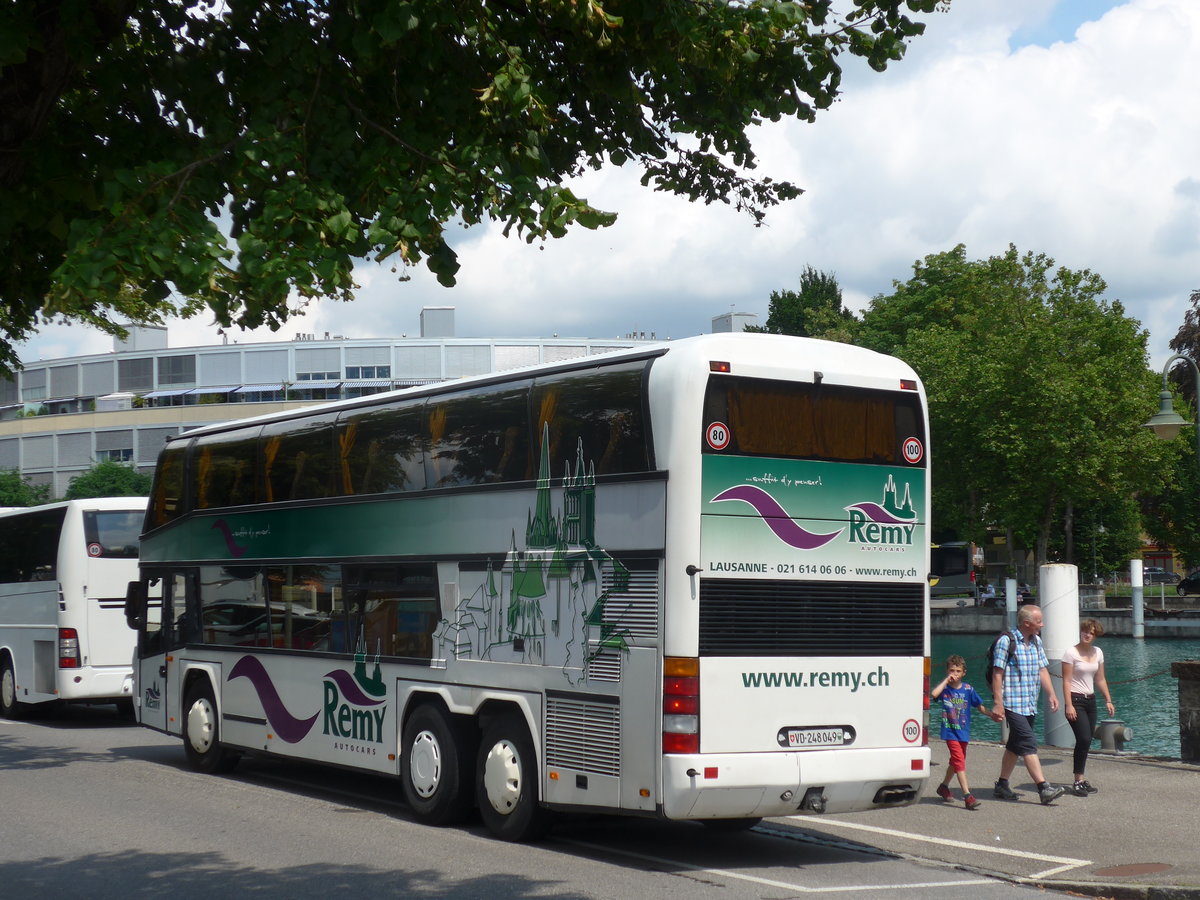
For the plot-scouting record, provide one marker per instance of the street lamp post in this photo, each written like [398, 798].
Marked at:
[1167, 423]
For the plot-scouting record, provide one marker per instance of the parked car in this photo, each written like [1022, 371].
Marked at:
[1155, 575]
[1189, 585]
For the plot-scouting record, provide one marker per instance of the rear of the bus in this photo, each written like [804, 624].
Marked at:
[97, 559]
[795, 673]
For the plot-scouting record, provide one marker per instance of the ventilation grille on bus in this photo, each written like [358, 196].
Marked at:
[604, 663]
[583, 735]
[632, 611]
[750, 617]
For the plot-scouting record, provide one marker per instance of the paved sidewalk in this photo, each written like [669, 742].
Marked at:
[1138, 837]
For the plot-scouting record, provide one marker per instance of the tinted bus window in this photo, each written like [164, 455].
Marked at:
[806, 421]
[601, 407]
[478, 437]
[166, 497]
[394, 607]
[381, 450]
[29, 546]
[297, 459]
[224, 468]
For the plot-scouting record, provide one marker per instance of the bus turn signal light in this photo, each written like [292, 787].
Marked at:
[681, 705]
[68, 648]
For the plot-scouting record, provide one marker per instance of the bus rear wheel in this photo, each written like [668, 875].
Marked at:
[10, 706]
[506, 782]
[435, 769]
[202, 733]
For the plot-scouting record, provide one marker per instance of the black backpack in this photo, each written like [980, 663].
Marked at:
[989, 668]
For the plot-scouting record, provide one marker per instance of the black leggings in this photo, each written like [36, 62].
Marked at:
[1084, 727]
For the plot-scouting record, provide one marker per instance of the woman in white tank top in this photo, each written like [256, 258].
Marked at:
[1083, 676]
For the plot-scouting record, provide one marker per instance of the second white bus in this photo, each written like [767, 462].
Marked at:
[64, 571]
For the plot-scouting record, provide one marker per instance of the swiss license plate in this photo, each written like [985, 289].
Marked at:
[834, 736]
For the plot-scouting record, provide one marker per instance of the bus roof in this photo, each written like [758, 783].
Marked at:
[759, 355]
[85, 503]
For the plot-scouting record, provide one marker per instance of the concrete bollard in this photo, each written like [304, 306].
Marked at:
[1188, 673]
[1058, 593]
[1113, 734]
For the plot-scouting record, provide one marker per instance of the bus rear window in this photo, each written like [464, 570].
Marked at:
[793, 420]
[112, 534]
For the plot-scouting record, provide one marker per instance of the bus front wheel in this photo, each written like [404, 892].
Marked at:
[10, 706]
[202, 733]
[435, 769]
[506, 782]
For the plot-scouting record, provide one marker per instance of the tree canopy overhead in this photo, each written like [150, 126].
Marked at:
[319, 132]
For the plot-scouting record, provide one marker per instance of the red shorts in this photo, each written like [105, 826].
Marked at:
[958, 755]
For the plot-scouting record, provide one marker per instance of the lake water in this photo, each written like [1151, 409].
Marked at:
[1139, 678]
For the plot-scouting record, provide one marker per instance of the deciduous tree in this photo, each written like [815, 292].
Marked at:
[17, 490]
[1037, 386]
[240, 155]
[815, 310]
[109, 478]
[1172, 514]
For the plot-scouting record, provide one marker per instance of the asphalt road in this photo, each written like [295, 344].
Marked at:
[96, 807]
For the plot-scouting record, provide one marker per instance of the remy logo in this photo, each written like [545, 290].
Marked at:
[354, 708]
[891, 522]
[776, 517]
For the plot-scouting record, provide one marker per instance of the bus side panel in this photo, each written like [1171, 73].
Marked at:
[29, 632]
[318, 708]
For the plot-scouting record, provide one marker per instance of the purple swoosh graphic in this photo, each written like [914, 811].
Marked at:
[877, 513]
[350, 689]
[776, 517]
[287, 726]
[222, 526]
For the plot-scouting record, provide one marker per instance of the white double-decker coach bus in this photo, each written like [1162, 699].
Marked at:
[686, 580]
[64, 571]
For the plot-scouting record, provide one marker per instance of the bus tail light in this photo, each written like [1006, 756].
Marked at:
[681, 705]
[68, 648]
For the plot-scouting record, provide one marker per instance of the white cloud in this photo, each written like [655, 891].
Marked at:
[1010, 121]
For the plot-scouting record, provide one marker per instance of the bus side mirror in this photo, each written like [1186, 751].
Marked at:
[135, 604]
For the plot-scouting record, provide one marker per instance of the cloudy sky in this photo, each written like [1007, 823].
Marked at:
[1067, 127]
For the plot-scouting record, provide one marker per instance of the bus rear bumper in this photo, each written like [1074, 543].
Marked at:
[748, 785]
[109, 683]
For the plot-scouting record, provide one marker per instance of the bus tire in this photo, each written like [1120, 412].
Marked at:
[506, 782]
[435, 762]
[10, 706]
[202, 732]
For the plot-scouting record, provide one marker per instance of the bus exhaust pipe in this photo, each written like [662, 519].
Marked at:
[895, 793]
[814, 801]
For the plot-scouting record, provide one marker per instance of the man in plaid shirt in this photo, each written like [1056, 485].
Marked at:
[1015, 687]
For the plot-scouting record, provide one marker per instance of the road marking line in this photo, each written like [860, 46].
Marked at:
[1063, 863]
[770, 882]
